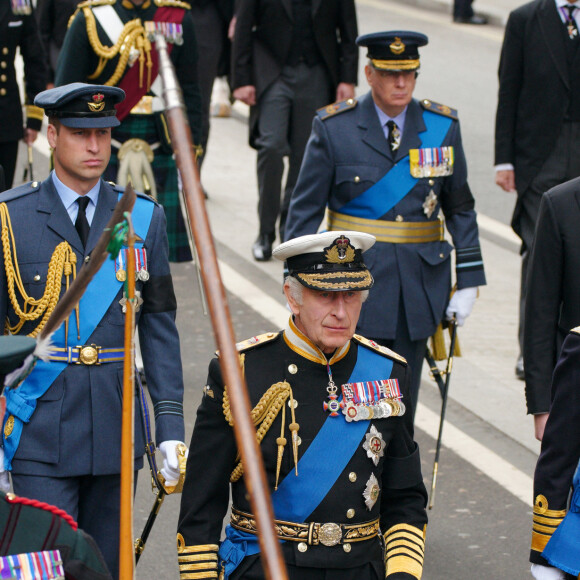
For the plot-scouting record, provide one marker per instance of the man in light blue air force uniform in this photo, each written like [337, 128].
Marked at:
[392, 166]
[62, 431]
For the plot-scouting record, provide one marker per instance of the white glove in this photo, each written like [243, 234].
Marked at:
[461, 304]
[170, 469]
[4, 477]
[540, 572]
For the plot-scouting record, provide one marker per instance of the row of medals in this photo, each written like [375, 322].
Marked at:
[142, 275]
[377, 410]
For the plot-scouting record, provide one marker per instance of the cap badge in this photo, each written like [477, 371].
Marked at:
[340, 251]
[98, 103]
[397, 46]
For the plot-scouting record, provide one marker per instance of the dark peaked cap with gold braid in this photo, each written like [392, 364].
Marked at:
[82, 106]
[395, 50]
[330, 261]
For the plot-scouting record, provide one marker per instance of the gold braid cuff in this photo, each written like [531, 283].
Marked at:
[199, 561]
[62, 263]
[545, 522]
[405, 550]
[34, 112]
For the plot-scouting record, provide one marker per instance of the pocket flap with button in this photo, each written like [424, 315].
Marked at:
[357, 174]
[435, 253]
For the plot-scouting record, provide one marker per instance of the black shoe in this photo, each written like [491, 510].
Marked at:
[475, 19]
[262, 248]
[520, 369]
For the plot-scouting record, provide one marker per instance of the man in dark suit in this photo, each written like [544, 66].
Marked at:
[552, 304]
[392, 166]
[290, 57]
[537, 130]
[62, 433]
[347, 490]
[18, 30]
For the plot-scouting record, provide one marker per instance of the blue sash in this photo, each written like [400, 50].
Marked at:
[297, 497]
[100, 293]
[398, 182]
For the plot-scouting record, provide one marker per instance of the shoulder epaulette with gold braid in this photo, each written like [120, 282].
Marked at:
[576, 330]
[439, 109]
[173, 4]
[62, 263]
[133, 36]
[254, 341]
[336, 108]
[380, 349]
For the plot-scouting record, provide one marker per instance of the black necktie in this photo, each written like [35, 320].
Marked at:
[82, 224]
[570, 22]
[394, 137]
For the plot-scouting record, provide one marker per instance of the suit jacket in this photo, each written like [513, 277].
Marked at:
[272, 358]
[529, 117]
[347, 154]
[552, 304]
[76, 427]
[263, 37]
[560, 450]
[19, 31]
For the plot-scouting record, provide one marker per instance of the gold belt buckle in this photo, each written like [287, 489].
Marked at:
[89, 355]
[330, 534]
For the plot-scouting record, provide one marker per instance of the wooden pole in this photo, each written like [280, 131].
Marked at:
[254, 474]
[126, 549]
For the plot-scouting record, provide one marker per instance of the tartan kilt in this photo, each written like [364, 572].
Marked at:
[165, 172]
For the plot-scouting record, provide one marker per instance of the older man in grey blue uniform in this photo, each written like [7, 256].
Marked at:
[392, 166]
[62, 431]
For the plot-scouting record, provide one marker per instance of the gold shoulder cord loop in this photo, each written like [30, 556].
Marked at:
[62, 262]
[133, 36]
[264, 414]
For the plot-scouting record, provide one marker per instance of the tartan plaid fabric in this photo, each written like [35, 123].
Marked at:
[165, 171]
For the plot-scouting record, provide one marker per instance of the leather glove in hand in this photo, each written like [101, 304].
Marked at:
[170, 469]
[461, 304]
[540, 572]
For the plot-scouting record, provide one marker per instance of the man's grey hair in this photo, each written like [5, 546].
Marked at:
[296, 289]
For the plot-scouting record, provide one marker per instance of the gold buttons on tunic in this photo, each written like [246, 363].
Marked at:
[346, 548]
[350, 514]
[399, 218]
[357, 179]
[3, 78]
[431, 182]
[292, 369]
[87, 259]
[352, 476]
[293, 403]
[34, 184]
[349, 101]
[302, 547]
[4, 50]
[3, 64]
[37, 278]
[441, 256]
[2, 92]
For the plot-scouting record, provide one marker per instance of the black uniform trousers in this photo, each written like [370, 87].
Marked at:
[462, 9]
[8, 156]
[562, 165]
[286, 110]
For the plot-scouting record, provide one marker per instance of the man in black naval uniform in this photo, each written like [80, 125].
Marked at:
[556, 521]
[350, 471]
[18, 30]
[394, 167]
[32, 526]
[111, 43]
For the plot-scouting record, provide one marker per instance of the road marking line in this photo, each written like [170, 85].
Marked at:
[495, 467]
[482, 458]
